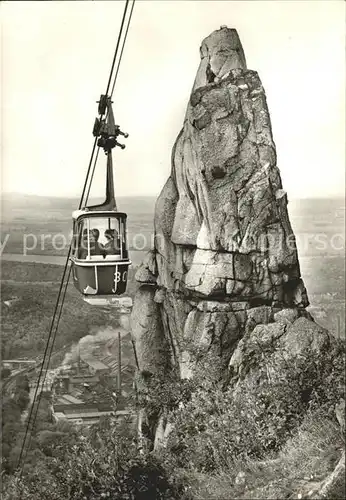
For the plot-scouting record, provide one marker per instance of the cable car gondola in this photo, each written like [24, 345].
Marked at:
[99, 253]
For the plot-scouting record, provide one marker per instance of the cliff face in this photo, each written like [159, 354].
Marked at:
[225, 258]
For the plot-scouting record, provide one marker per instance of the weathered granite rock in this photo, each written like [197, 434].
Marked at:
[147, 331]
[286, 316]
[147, 271]
[220, 52]
[278, 345]
[224, 258]
[294, 362]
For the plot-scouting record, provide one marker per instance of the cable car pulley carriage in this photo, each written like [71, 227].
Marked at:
[99, 253]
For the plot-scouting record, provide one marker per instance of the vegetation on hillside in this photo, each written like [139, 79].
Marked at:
[25, 325]
[270, 441]
[102, 462]
[12, 427]
[30, 272]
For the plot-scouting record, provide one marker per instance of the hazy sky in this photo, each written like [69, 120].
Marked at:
[56, 58]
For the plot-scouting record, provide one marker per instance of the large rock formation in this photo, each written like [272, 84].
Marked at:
[225, 258]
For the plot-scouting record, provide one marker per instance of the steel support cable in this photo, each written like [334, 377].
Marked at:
[87, 176]
[49, 342]
[52, 326]
[122, 48]
[108, 85]
[92, 174]
[47, 364]
[69, 251]
[117, 47]
[44, 359]
[113, 86]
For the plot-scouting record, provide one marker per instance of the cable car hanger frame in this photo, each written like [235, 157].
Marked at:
[101, 268]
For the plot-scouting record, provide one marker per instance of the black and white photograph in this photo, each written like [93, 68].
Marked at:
[173, 250]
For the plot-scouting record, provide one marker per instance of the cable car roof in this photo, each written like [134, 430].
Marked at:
[97, 213]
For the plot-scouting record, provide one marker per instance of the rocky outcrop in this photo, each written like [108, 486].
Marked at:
[285, 350]
[224, 258]
[276, 429]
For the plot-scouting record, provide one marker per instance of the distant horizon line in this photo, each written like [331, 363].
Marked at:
[72, 197]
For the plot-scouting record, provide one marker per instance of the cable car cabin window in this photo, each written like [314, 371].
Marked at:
[101, 238]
